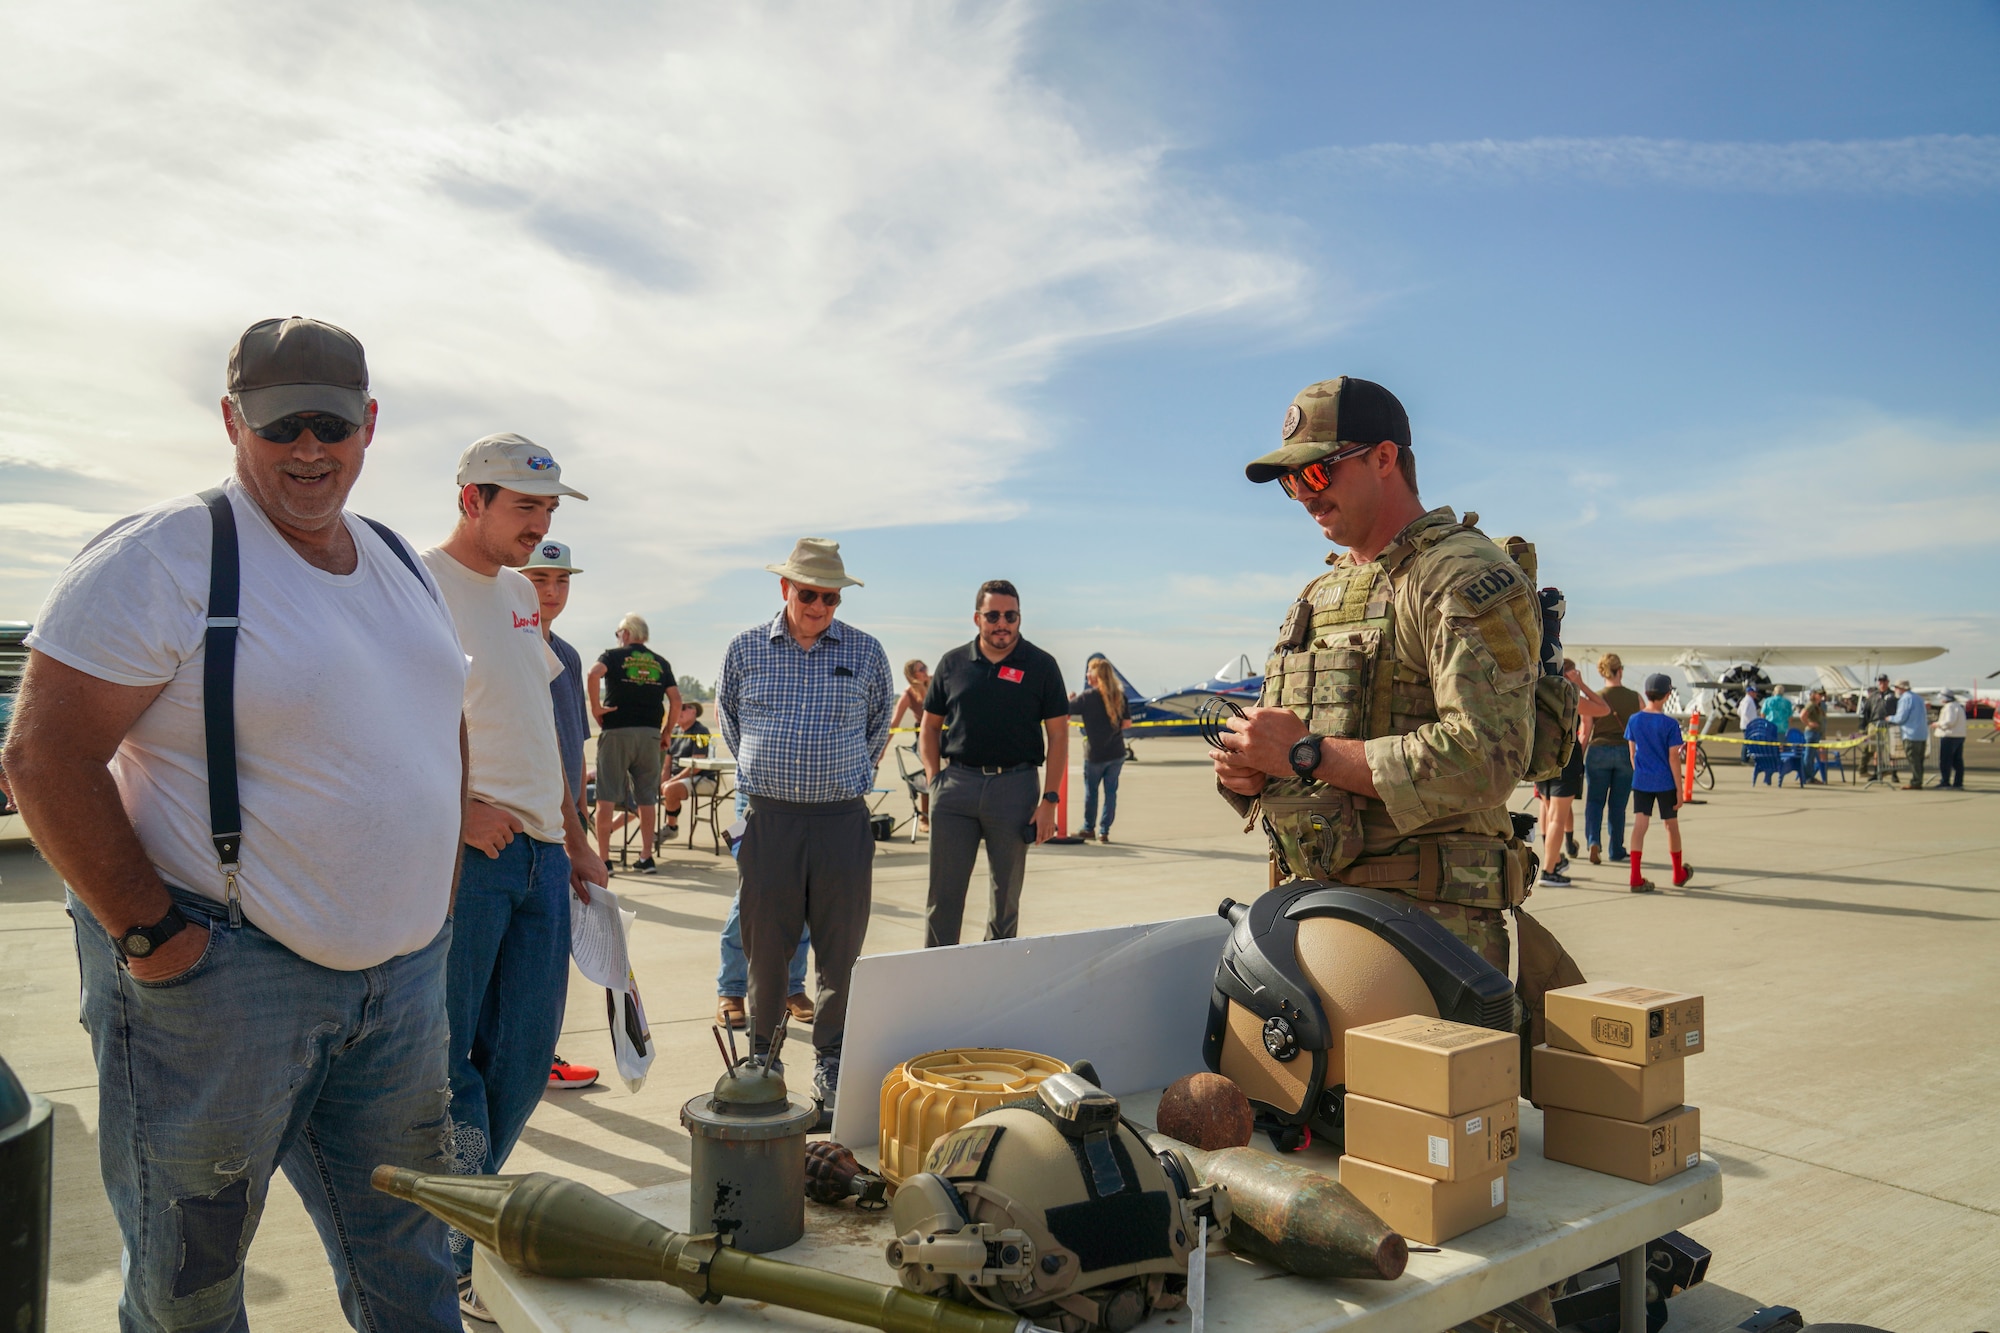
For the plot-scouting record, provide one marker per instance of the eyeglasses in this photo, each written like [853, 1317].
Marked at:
[995, 617]
[1317, 475]
[326, 429]
[807, 596]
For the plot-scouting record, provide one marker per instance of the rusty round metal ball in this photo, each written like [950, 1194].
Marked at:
[1208, 1111]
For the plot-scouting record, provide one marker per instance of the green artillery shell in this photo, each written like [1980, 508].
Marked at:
[1299, 1219]
[552, 1227]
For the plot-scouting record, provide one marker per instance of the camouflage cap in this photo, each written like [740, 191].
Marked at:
[1328, 415]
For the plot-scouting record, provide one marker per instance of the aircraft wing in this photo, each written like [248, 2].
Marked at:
[1762, 654]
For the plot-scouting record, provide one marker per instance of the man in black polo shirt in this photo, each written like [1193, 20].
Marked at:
[998, 705]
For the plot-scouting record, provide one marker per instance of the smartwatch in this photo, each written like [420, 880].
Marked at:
[144, 941]
[1051, 797]
[1305, 757]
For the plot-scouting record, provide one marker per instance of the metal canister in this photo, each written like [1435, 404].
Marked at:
[749, 1158]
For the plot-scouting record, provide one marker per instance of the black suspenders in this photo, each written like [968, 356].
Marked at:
[218, 684]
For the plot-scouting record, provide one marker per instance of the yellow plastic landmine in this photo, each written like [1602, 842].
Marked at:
[926, 1098]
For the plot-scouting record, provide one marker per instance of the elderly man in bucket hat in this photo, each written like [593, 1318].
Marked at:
[803, 702]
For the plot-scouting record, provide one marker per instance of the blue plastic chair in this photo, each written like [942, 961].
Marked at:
[1760, 746]
[1792, 757]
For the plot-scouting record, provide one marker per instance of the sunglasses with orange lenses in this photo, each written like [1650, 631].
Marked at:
[1317, 475]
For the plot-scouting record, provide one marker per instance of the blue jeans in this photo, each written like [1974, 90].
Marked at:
[733, 977]
[251, 1060]
[1607, 772]
[1093, 774]
[505, 990]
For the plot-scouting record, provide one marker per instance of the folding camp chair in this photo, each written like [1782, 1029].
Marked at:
[915, 781]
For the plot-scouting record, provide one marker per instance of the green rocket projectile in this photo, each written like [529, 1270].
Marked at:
[551, 1227]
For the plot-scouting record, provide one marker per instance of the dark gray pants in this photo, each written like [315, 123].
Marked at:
[969, 807]
[1914, 752]
[802, 865]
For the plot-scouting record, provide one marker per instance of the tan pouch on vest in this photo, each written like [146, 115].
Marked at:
[1318, 833]
[1544, 966]
[1555, 728]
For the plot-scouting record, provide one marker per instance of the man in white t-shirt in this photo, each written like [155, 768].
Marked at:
[525, 848]
[273, 996]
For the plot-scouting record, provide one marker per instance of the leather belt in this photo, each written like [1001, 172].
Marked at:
[993, 770]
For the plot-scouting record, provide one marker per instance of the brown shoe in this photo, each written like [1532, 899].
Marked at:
[799, 1007]
[1596, 854]
[729, 1011]
[1643, 886]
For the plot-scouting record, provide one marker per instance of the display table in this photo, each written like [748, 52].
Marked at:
[722, 770]
[1561, 1220]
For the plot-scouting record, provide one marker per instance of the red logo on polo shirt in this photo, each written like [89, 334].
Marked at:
[528, 622]
[1014, 674]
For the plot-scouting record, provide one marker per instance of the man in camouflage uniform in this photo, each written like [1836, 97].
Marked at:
[1399, 706]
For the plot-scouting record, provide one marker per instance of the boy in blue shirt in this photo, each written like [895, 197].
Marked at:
[1655, 739]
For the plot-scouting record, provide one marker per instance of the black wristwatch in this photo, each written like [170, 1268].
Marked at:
[1305, 756]
[145, 941]
[1052, 797]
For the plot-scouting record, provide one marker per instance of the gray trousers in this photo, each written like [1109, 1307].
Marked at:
[801, 865]
[969, 807]
[1914, 752]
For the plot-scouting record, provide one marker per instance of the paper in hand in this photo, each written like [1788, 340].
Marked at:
[597, 938]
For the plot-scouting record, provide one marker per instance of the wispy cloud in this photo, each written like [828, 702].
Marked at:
[1922, 164]
[748, 270]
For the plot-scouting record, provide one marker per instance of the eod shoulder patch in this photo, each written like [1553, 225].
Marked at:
[1483, 588]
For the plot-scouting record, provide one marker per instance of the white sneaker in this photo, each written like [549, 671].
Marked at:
[470, 1305]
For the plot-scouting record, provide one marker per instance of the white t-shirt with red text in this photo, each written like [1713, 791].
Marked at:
[516, 760]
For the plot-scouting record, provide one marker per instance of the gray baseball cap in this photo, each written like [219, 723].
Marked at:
[282, 366]
[515, 462]
[552, 555]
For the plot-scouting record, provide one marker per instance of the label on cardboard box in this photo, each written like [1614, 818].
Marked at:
[1426, 1211]
[1646, 1151]
[1433, 1064]
[1606, 1087]
[1441, 1147]
[1635, 1024]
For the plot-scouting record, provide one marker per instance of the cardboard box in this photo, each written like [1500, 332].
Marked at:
[1431, 1064]
[1455, 1147]
[1648, 1151]
[1426, 1211]
[1606, 1087]
[1629, 1023]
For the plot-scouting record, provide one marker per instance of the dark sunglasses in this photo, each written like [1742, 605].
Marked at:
[326, 429]
[807, 596]
[1317, 475]
[995, 617]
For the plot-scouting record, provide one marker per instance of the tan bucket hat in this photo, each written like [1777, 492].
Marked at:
[815, 562]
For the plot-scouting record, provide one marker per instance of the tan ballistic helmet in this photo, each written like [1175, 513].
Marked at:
[1053, 1208]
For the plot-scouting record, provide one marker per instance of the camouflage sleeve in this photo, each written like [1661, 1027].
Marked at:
[1482, 641]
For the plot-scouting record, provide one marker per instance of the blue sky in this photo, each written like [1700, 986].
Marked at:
[1701, 300]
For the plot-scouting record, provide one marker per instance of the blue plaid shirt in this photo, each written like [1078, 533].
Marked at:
[805, 725]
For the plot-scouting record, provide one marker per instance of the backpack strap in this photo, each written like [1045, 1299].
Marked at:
[218, 695]
[395, 543]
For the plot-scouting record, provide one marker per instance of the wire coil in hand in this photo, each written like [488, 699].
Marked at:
[1213, 718]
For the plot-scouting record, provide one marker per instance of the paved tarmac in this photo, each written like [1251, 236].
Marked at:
[1847, 939]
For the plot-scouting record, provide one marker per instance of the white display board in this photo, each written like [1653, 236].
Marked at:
[1133, 1000]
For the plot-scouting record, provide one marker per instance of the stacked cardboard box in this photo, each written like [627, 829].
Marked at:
[1611, 1082]
[1432, 1119]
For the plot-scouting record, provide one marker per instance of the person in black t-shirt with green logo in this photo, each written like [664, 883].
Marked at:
[996, 709]
[632, 694]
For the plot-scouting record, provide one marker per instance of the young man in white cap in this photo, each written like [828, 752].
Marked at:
[525, 847]
[803, 701]
[238, 742]
[549, 569]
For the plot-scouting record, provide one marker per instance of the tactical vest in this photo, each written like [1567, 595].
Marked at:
[1337, 668]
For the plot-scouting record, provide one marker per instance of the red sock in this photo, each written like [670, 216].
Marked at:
[1677, 865]
[1635, 868]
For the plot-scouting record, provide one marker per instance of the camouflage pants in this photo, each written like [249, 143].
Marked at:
[1482, 929]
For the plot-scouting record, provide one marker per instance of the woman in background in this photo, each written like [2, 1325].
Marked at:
[1102, 708]
[916, 681]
